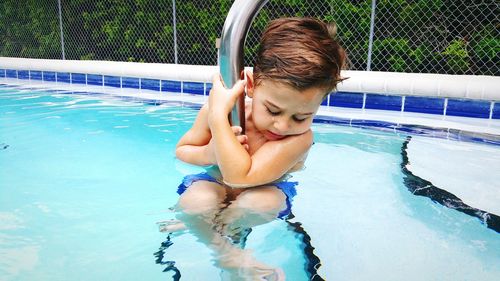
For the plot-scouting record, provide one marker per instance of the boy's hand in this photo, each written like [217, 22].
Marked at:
[242, 139]
[222, 100]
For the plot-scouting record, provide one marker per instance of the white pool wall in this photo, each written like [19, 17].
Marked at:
[389, 83]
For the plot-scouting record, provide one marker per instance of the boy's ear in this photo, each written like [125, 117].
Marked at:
[250, 84]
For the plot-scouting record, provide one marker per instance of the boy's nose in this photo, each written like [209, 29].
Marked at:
[282, 125]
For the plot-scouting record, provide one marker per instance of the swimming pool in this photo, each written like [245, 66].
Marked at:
[85, 177]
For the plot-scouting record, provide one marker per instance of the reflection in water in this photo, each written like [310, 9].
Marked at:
[169, 265]
[225, 230]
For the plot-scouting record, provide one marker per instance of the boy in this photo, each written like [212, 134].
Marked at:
[298, 64]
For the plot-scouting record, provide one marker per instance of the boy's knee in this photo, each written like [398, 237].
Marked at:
[267, 199]
[201, 197]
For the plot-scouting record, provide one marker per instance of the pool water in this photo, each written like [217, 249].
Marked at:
[84, 178]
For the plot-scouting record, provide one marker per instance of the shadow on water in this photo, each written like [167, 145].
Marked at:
[3, 146]
[313, 262]
[169, 265]
[421, 187]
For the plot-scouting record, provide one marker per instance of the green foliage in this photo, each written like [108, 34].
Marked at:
[28, 29]
[392, 55]
[410, 36]
[488, 49]
[457, 57]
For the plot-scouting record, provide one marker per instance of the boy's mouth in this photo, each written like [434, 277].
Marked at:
[272, 136]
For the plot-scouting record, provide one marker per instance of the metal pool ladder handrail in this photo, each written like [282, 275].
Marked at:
[233, 36]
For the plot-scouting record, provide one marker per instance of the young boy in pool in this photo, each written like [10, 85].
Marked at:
[298, 64]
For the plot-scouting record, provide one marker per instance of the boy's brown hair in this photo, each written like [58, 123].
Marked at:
[300, 52]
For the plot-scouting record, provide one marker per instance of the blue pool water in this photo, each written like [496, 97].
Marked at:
[84, 179]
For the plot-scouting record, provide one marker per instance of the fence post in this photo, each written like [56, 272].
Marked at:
[175, 31]
[61, 30]
[370, 42]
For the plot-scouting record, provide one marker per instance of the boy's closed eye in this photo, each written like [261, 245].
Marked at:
[295, 118]
[299, 119]
[273, 112]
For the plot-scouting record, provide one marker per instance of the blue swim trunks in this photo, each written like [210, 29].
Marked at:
[287, 187]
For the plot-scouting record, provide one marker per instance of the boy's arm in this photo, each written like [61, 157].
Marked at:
[273, 160]
[238, 168]
[193, 147]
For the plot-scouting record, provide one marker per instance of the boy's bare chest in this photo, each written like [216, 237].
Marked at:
[255, 138]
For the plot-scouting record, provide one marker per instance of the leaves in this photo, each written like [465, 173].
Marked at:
[412, 36]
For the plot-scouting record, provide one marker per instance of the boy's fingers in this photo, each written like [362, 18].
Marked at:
[237, 90]
[242, 139]
[239, 87]
[236, 130]
[217, 81]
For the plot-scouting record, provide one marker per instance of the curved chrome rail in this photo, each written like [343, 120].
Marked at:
[234, 32]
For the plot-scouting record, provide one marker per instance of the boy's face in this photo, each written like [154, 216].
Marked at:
[280, 110]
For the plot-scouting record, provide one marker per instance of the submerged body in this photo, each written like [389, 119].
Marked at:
[276, 142]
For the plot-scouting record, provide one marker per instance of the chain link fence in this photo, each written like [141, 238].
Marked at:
[421, 36]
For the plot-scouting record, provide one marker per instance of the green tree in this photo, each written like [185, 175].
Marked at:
[29, 28]
[441, 36]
